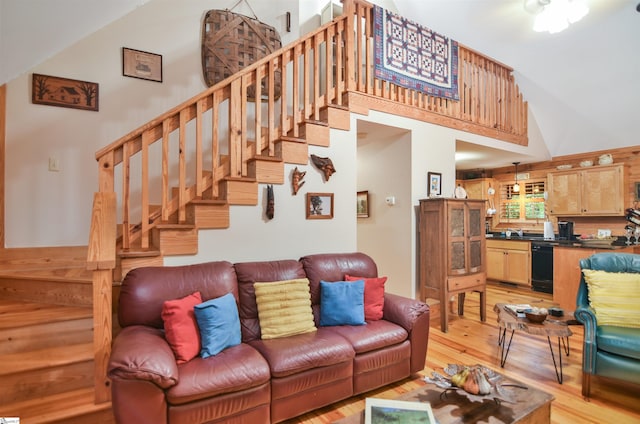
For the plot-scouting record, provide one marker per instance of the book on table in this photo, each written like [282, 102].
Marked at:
[517, 310]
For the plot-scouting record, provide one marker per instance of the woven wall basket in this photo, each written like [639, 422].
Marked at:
[231, 42]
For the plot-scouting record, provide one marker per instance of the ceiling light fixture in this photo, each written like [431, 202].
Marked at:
[555, 15]
[516, 186]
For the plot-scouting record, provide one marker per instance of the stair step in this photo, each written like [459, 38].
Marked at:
[54, 286]
[13, 363]
[266, 169]
[72, 407]
[292, 150]
[206, 214]
[21, 314]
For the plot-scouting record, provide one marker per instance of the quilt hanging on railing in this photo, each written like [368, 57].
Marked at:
[412, 56]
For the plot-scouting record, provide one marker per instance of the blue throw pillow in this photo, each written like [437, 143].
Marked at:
[219, 324]
[342, 303]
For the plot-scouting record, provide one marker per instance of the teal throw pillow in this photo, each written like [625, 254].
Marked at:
[219, 324]
[342, 303]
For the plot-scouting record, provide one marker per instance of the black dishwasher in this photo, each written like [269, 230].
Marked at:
[542, 267]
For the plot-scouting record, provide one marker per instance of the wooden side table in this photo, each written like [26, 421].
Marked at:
[551, 327]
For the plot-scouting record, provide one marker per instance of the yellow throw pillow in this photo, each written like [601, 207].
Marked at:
[284, 308]
[615, 297]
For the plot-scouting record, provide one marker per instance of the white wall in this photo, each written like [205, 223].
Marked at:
[46, 208]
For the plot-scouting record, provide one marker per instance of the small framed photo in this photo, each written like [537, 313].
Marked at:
[435, 184]
[379, 411]
[319, 205]
[65, 92]
[362, 204]
[637, 192]
[143, 65]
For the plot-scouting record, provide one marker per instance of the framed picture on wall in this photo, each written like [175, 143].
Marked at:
[319, 205]
[362, 204]
[65, 92]
[143, 65]
[435, 184]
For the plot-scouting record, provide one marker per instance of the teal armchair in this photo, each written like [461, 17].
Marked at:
[610, 351]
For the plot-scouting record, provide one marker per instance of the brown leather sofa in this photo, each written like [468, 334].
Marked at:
[258, 381]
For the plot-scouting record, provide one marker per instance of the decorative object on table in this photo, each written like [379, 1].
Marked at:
[319, 205]
[362, 204]
[476, 380]
[434, 187]
[536, 315]
[65, 92]
[460, 192]
[413, 56]
[296, 180]
[143, 65]
[270, 202]
[325, 165]
[636, 234]
[231, 42]
[556, 312]
[605, 159]
[378, 411]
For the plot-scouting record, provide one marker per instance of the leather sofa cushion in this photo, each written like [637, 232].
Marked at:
[234, 369]
[294, 354]
[249, 273]
[334, 267]
[372, 336]
[623, 341]
[144, 290]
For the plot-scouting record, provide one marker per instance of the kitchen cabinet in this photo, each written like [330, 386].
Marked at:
[509, 261]
[478, 188]
[452, 252]
[567, 273]
[595, 191]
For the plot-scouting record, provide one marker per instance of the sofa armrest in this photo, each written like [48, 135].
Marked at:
[413, 316]
[142, 353]
[586, 315]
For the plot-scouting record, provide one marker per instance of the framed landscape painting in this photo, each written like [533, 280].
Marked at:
[382, 411]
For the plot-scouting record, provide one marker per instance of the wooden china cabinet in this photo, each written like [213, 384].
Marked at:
[452, 252]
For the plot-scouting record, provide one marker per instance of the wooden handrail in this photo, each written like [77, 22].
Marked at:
[185, 153]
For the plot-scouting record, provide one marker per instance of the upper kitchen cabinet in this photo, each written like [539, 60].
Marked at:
[478, 188]
[595, 191]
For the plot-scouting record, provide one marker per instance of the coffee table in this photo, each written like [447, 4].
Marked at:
[551, 327]
[530, 405]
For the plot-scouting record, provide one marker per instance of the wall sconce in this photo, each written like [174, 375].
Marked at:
[516, 186]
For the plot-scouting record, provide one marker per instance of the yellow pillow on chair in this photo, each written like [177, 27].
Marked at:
[614, 297]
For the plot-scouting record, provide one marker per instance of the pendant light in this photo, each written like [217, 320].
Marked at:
[516, 186]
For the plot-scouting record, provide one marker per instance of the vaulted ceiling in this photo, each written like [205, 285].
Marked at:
[582, 84]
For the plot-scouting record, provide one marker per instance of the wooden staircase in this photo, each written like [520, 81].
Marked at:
[46, 342]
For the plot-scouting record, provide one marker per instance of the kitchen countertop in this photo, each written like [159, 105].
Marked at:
[538, 238]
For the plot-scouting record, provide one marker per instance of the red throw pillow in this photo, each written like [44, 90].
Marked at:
[181, 327]
[373, 296]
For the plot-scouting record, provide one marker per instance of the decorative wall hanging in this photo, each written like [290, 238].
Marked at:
[362, 204]
[296, 180]
[319, 205]
[325, 165]
[231, 42]
[435, 184]
[412, 56]
[143, 65]
[65, 92]
[271, 207]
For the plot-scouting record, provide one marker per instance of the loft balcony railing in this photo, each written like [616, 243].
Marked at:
[150, 175]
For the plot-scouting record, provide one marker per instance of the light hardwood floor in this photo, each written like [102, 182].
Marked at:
[470, 341]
